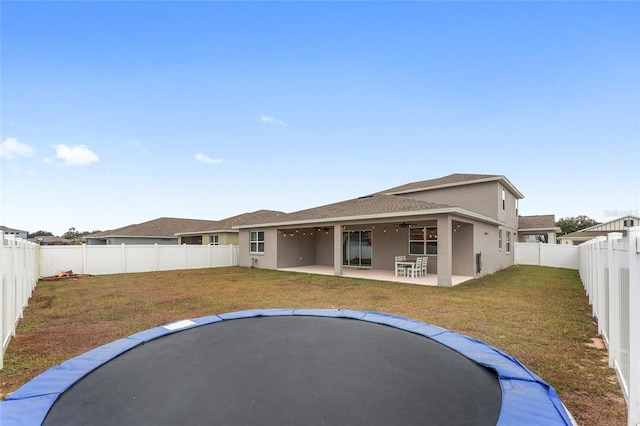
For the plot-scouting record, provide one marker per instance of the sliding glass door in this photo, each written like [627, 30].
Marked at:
[356, 248]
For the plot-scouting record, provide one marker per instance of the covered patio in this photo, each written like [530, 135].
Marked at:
[366, 249]
[374, 274]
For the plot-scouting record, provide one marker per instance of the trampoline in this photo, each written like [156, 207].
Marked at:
[289, 367]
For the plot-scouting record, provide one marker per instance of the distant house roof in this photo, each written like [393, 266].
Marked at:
[226, 225]
[7, 229]
[164, 227]
[456, 179]
[613, 225]
[601, 229]
[587, 235]
[50, 240]
[538, 222]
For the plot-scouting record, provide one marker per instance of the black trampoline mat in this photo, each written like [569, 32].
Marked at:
[285, 370]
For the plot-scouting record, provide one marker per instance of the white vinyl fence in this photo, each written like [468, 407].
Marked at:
[610, 272]
[552, 255]
[19, 274]
[123, 258]
[23, 262]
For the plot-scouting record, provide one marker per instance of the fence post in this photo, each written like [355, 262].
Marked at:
[84, 258]
[634, 327]
[157, 250]
[614, 298]
[599, 296]
[123, 263]
[540, 254]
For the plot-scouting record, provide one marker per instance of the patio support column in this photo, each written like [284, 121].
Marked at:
[444, 251]
[337, 249]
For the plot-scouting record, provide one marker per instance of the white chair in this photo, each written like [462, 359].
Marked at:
[424, 266]
[400, 269]
[417, 272]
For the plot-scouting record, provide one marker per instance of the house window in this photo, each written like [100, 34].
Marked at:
[508, 242]
[500, 239]
[256, 242]
[516, 207]
[214, 241]
[504, 199]
[423, 241]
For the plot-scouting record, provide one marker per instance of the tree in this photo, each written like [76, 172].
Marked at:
[573, 224]
[76, 236]
[40, 234]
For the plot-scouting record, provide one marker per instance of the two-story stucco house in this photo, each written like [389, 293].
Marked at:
[464, 224]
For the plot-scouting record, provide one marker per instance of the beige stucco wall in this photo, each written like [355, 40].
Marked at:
[324, 247]
[509, 214]
[297, 248]
[224, 238]
[480, 198]
[484, 198]
[264, 261]
[462, 237]
[486, 242]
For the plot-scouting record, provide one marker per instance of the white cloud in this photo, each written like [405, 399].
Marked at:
[268, 120]
[77, 155]
[11, 148]
[204, 159]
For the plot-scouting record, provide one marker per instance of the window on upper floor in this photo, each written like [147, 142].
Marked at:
[504, 199]
[256, 242]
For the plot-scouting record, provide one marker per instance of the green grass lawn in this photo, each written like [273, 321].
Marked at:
[539, 315]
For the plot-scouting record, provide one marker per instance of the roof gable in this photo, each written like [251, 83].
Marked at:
[453, 180]
[606, 226]
[537, 222]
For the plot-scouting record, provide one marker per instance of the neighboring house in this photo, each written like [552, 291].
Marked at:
[601, 230]
[50, 240]
[158, 231]
[10, 232]
[221, 232]
[532, 228]
[465, 224]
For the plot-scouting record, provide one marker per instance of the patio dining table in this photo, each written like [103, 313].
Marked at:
[407, 265]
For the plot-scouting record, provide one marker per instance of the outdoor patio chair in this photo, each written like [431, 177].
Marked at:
[400, 269]
[417, 272]
[424, 266]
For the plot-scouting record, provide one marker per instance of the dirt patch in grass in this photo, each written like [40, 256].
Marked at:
[538, 315]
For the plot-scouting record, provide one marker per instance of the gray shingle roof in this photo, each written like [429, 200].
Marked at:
[259, 216]
[50, 239]
[161, 227]
[537, 222]
[364, 206]
[454, 179]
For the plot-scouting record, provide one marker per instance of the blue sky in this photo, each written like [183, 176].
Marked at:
[115, 113]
